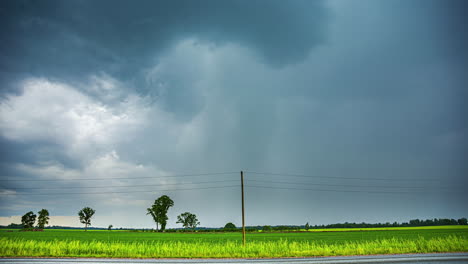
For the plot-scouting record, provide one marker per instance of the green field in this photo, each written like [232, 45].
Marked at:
[328, 242]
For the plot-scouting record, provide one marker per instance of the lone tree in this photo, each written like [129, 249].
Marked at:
[43, 218]
[307, 226]
[28, 220]
[230, 226]
[110, 227]
[188, 220]
[159, 211]
[85, 215]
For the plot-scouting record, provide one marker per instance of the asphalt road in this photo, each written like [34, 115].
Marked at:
[445, 258]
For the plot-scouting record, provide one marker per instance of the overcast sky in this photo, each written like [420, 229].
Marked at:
[356, 109]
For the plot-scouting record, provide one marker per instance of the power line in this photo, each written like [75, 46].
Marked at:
[118, 178]
[166, 190]
[330, 190]
[341, 185]
[114, 186]
[210, 182]
[338, 177]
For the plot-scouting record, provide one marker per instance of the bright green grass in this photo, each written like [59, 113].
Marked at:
[257, 249]
[68, 243]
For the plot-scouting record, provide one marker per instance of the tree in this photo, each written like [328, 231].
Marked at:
[462, 221]
[188, 220]
[159, 211]
[415, 222]
[85, 215]
[43, 218]
[154, 215]
[230, 226]
[307, 226]
[110, 227]
[28, 220]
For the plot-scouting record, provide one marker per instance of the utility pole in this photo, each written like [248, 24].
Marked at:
[243, 211]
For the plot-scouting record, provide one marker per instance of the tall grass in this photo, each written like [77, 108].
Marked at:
[229, 249]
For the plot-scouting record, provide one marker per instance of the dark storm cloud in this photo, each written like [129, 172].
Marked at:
[71, 38]
[32, 153]
[452, 22]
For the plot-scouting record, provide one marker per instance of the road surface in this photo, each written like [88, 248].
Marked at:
[445, 258]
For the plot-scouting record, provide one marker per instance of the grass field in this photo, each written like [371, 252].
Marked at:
[74, 243]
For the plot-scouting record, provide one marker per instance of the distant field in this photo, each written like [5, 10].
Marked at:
[327, 242]
[319, 235]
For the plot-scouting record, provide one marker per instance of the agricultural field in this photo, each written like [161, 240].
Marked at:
[78, 243]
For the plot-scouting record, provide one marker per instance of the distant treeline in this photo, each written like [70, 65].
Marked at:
[267, 228]
[414, 222]
[293, 228]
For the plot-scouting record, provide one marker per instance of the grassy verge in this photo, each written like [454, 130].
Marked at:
[229, 249]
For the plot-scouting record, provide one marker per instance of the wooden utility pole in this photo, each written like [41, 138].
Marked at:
[243, 211]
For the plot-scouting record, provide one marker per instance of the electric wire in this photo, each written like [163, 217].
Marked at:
[406, 189]
[118, 178]
[341, 185]
[330, 190]
[338, 177]
[115, 186]
[152, 191]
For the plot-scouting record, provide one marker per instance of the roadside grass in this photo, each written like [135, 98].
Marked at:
[255, 249]
[127, 244]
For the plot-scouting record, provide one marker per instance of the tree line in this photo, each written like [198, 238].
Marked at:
[413, 222]
[159, 209]
[29, 219]
[158, 212]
